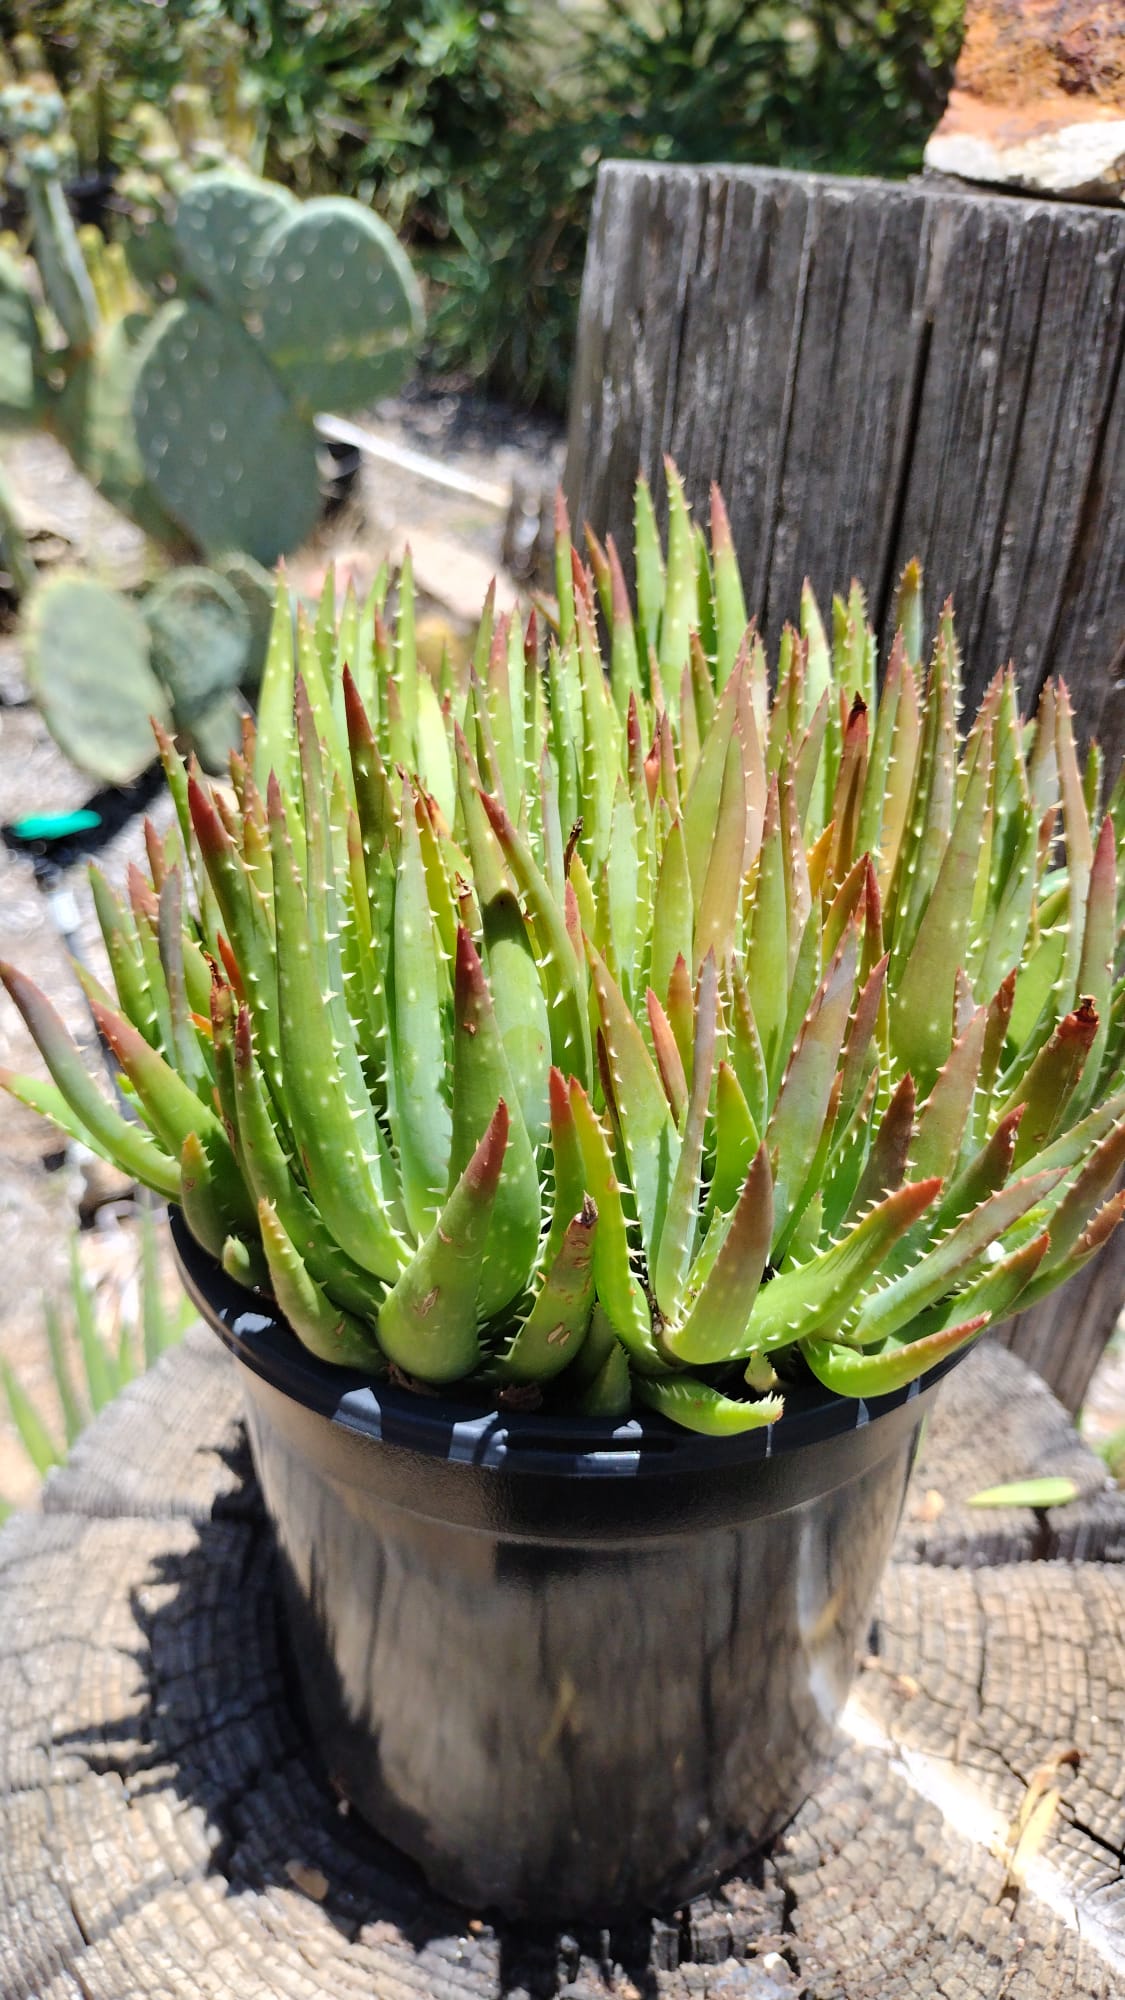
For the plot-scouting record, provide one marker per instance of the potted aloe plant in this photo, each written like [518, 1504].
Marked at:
[599, 1106]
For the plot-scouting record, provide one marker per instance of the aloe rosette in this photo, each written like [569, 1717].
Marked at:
[627, 1035]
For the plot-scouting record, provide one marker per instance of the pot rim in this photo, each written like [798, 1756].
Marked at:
[459, 1429]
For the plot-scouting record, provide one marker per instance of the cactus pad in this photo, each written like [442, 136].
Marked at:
[256, 589]
[221, 222]
[93, 417]
[87, 657]
[341, 313]
[200, 637]
[218, 731]
[219, 439]
[19, 349]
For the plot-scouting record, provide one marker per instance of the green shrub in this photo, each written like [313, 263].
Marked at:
[480, 131]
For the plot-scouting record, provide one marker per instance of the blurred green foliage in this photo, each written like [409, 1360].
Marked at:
[478, 131]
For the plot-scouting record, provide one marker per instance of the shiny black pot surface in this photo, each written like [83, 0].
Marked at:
[571, 1667]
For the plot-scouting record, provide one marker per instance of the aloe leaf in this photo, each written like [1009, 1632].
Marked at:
[99, 1371]
[73, 1415]
[668, 1059]
[1047, 1087]
[564, 570]
[600, 748]
[199, 1200]
[767, 951]
[695, 1407]
[677, 1235]
[702, 801]
[275, 747]
[900, 780]
[713, 1323]
[993, 1295]
[746, 1050]
[1096, 1233]
[812, 1300]
[987, 1170]
[375, 802]
[1092, 1186]
[797, 1122]
[859, 1055]
[847, 1373]
[730, 604]
[922, 1010]
[428, 1320]
[618, 895]
[321, 1326]
[847, 800]
[609, 1392]
[1099, 944]
[74, 1103]
[1045, 1492]
[339, 1175]
[718, 907]
[185, 1041]
[553, 1332]
[481, 1077]
[119, 933]
[649, 569]
[1011, 912]
[33, 1433]
[798, 890]
[169, 1104]
[418, 995]
[246, 922]
[270, 1176]
[736, 1141]
[520, 1007]
[678, 612]
[648, 1133]
[621, 1294]
[944, 1117]
[1079, 841]
[953, 1257]
[906, 616]
[673, 916]
[566, 1001]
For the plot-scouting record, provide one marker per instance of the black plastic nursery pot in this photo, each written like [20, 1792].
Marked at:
[573, 1668]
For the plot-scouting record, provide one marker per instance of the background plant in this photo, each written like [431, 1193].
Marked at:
[183, 371]
[93, 1355]
[637, 1036]
[479, 131]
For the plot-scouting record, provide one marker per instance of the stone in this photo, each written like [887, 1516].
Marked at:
[1038, 99]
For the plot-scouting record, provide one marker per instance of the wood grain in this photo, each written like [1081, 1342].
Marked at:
[873, 371]
[165, 1832]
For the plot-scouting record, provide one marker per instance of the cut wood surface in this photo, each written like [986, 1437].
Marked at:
[875, 371]
[165, 1831]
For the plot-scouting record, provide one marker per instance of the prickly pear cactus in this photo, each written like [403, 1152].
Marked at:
[93, 417]
[256, 589]
[19, 350]
[33, 121]
[200, 636]
[339, 306]
[221, 222]
[219, 439]
[88, 662]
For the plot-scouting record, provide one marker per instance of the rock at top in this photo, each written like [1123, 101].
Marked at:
[1038, 100]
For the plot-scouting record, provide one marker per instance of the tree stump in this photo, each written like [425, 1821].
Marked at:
[164, 1829]
[874, 371]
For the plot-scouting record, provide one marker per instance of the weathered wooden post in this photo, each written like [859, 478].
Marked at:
[873, 371]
